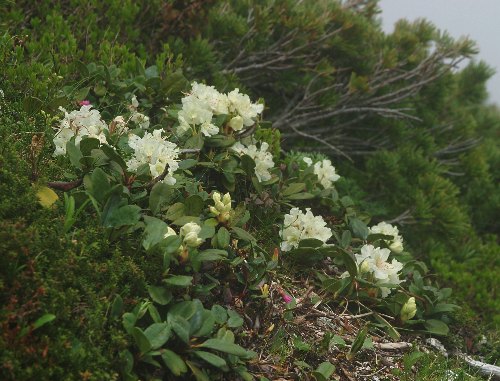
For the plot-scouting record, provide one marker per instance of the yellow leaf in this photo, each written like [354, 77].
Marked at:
[46, 196]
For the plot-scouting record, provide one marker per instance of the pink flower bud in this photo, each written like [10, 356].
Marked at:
[286, 298]
[84, 103]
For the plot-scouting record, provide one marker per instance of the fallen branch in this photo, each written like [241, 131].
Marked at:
[485, 369]
[393, 346]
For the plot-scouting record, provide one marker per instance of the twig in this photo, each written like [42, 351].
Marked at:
[65, 186]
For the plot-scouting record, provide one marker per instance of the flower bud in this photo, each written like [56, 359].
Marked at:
[396, 246]
[236, 123]
[190, 232]
[222, 207]
[365, 267]
[264, 289]
[408, 310]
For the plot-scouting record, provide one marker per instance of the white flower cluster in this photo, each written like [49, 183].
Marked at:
[156, 151]
[262, 158]
[204, 102]
[298, 226]
[79, 123]
[373, 261]
[396, 245]
[325, 172]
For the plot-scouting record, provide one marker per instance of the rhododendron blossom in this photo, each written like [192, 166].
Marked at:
[263, 159]
[373, 261]
[396, 244]
[298, 226]
[324, 170]
[155, 151]
[204, 102]
[78, 124]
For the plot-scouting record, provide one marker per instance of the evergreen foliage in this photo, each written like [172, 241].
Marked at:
[413, 138]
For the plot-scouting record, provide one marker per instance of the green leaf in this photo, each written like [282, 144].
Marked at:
[127, 215]
[74, 154]
[97, 184]
[305, 255]
[185, 309]
[220, 313]
[346, 201]
[338, 340]
[199, 374]
[160, 194]
[207, 325]
[153, 312]
[235, 320]
[411, 359]
[248, 165]
[185, 219]
[223, 346]
[172, 244]
[116, 307]
[293, 188]
[311, 242]
[212, 359]
[175, 211]
[88, 144]
[128, 360]
[193, 205]
[160, 295]
[174, 83]
[220, 141]
[212, 255]
[301, 196]
[358, 227]
[223, 238]
[154, 233]
[44, 319]
[114, 156]
[180, 326]
[157, 334]
[141, 340]
[436, 327]
[129, 319]
[174, 362]
[207, 230]
[346, 239]
[81, 94]
[349, 262]
[188, 163]
[32, 105]
[325, 369]
[179, 280]
[228, 180]
[358, 343]
[243, 234]
[444, 307]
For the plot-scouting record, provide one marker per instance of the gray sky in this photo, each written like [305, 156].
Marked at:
[478, 19]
